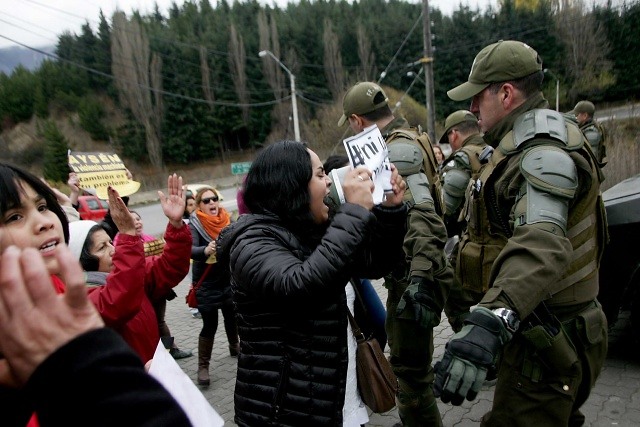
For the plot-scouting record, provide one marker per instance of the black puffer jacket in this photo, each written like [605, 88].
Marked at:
[290, 300]
[215, 290]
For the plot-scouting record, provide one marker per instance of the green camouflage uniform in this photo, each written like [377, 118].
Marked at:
[411, 343]
[521, 265]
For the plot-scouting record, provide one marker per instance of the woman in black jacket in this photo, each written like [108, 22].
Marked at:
[214, 292]
[289, 268]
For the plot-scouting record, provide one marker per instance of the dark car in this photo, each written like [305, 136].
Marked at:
[91, 207]
[620, 267]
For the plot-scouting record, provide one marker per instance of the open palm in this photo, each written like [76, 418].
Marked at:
[174, 202]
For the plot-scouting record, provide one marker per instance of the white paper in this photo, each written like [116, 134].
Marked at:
[369, 149]
[165, 369]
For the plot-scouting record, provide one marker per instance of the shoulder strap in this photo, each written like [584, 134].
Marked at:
[204, 274]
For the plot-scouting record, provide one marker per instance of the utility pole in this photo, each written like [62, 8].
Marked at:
[427, 64]
[292, 78]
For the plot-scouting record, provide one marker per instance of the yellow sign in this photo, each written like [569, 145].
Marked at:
[101, 170]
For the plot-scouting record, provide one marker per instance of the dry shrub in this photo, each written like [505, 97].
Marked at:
[623, 151]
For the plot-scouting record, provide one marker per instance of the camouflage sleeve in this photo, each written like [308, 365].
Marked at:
[424, 248]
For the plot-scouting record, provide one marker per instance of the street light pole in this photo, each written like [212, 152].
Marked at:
[427, 64]
[548, 71]
[294, 103]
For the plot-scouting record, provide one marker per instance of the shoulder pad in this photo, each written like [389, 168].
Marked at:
[462, 157]
[551, 170]
[407, 157]
[539, 123]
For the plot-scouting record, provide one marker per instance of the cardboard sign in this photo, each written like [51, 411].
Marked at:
[99, 171]
[369, 149]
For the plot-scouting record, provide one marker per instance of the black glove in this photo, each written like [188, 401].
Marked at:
[418, 296]
[468, 355]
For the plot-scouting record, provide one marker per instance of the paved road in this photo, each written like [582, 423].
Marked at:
[615, 401]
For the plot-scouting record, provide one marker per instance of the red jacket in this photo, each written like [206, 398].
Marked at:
[125, 301]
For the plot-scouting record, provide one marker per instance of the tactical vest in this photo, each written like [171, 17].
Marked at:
[489, 226]
[429, 163]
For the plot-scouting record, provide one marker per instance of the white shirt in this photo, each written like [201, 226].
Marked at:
[354, 412]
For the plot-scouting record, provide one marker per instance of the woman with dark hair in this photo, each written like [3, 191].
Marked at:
[214, 292]
[290, 270]
[123, 282]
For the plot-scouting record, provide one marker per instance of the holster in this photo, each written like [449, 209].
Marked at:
[556, 353]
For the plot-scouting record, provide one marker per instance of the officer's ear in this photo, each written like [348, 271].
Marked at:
[357, 122]
[509, 96]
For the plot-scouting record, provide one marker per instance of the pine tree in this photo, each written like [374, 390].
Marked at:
[55, 153]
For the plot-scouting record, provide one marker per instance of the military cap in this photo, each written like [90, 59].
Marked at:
[499, 62]
[584, 107]
[454, 119]
[360, 99]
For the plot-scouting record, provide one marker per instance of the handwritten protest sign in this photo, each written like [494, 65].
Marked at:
[369, 149]
[100, 170]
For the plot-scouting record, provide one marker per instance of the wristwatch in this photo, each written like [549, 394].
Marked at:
[509, 319]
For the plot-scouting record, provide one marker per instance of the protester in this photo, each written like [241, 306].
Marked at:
[214, 292]
[154, 246]
[189, 207]
[437, 150]
[123, 282]
[533, 241]
[419, 283]
[289, 268]
[32, 218]
[60, 361]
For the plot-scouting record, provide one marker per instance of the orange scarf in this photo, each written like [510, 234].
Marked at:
[213, 225]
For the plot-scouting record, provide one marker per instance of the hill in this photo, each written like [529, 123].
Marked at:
[12, 57]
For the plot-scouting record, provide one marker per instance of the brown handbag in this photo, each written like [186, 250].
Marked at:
[377, 383]
[191, 299]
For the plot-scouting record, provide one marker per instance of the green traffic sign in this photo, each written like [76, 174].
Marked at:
[240, 168]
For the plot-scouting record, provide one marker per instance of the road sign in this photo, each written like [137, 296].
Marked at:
[240, 168]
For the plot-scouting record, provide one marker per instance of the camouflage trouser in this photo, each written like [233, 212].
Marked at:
[532, 392]
[411, 355]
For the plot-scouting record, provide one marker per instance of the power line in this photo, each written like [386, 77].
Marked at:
[162, 92]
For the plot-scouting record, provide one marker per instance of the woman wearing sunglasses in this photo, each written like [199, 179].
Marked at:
[214, 291]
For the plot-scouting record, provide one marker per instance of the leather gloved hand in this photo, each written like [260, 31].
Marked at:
[418, 296]
[468, 355]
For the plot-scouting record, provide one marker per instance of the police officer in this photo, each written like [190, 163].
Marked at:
[418, 287]
[533, 242]
[592, 130]
[469, 153]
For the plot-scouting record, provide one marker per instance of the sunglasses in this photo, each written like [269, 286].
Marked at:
[208, 200]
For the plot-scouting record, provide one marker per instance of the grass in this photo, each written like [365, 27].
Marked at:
[623, 151]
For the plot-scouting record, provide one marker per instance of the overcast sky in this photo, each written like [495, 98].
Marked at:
[37, 23]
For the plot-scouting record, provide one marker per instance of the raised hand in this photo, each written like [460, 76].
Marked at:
[120, 213]
[34, 320]
[358, 187]
[174, 202]
[398, 187]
